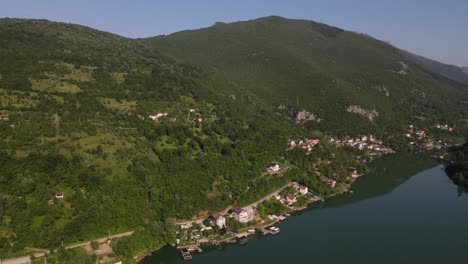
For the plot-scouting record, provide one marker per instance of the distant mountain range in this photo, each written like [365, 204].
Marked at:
[465, 69]
[445, 70]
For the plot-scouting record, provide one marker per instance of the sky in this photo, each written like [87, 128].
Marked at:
[434, 29]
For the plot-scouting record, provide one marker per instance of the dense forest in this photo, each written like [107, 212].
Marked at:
[103, 134]
[457, 166]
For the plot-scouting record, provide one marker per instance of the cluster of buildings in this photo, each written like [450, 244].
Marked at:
[158, 115]
[241, 215]
[413, 132]
[308, 143]
[445, 127]
[291, 198]
[369, 142]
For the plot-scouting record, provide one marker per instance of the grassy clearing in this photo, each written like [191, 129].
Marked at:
[50, 85]
[121, 105]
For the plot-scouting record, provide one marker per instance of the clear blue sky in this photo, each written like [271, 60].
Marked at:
[435, 29]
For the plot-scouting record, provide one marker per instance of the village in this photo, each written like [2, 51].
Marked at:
[235, 224]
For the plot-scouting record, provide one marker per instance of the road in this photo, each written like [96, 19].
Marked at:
[271, 195]
[27, 260]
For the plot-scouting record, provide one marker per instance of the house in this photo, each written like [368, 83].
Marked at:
[330, 182]
[303, 189]
[290, 198]
[274, 215]
[353, 170]
[156, 116]
[243, 215]
[421, 134]
[4, 117]
[200, 120]
[273, 167]
[218, 219]
[59, 195]
[364, 138]
[314, 141]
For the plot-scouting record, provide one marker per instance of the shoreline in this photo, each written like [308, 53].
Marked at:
[140, 256]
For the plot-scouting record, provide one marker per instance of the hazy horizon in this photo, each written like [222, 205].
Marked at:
[433, 29]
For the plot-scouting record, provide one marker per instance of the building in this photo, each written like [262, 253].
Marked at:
[314, 141]
[303, 189]
[156, 116]
[218, 219]
[273, 167]
[330, 182]
[4, 117]
[59, 195]
[353, 170]
[243, 215]
[290, 198]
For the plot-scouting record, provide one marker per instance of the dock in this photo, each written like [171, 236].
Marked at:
[186, 254]
[186, 251]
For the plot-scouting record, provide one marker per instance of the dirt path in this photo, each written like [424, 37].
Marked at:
[27, 259]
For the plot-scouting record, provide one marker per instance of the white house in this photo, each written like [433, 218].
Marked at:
[218, 219]
[303, 189]
[243, 215]
[156, 116]
[59, 195]
[273, 167]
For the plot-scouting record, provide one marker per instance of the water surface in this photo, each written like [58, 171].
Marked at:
[405, 211]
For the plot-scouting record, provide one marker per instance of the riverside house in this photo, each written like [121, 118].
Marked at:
[290, 198]
[218, 219]
[243, 215]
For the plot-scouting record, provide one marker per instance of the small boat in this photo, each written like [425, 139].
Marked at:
[274, 230]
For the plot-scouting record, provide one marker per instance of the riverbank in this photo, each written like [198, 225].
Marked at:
[244, 232]
[336, 230]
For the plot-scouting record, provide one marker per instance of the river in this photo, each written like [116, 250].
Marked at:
[405, 210]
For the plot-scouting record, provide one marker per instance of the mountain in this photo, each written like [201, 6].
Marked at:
[322, 69]
[465, 69]
[444, 70]
[101, 133]
[77, 106]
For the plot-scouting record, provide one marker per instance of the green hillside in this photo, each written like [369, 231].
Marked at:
[74, 96]
[322, 69]
[137, 134]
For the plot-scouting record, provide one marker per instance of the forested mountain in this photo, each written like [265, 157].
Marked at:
[77, 103]
[322, 69]
[101, 133]
[444, 70]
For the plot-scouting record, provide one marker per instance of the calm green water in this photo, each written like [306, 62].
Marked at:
[405, 211]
